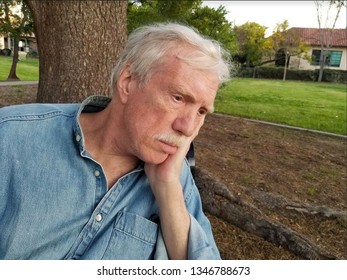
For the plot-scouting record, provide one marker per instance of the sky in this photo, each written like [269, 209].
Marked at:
[269, 13]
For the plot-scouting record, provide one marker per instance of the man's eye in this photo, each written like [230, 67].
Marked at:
[202, 112]
[178, 98]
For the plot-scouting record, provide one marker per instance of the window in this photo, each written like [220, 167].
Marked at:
[333, 58]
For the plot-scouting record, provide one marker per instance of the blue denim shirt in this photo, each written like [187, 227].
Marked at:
[54, 201]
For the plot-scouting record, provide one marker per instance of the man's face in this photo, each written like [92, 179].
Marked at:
[167, 110]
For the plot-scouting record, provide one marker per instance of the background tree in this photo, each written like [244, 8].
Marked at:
[78, 44]
[251, 43]
[177, 10]
[209, 21]
[142, 12]
[15, 22]
[326, 18]
[286, 42]
[212, 22]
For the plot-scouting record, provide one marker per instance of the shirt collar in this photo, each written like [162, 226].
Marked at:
[91, 104]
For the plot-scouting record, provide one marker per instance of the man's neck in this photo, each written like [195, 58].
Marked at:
[99, 135]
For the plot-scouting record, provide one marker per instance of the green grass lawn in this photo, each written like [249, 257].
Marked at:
[319, 106]
[27, 69]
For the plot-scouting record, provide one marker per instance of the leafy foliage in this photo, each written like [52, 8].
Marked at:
[209, 21]
[213, 23]
[251, 42]
[142, 12]
[15, 18]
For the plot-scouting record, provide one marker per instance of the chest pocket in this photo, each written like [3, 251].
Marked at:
[133, 238]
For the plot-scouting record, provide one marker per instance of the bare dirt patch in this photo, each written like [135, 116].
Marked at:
[253, 160]
[17, 95]
[304, 167]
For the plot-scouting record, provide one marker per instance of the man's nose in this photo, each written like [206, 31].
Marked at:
[186, 124]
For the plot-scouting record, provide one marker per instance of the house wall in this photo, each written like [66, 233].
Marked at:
[2, 42]
[28, 43]
[32, 45]
[302, 64]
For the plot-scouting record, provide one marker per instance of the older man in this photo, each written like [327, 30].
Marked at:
[108, 179]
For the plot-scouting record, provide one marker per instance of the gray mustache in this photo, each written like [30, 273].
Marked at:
[172, 139]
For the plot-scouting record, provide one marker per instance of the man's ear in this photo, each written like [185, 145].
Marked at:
[123, 84]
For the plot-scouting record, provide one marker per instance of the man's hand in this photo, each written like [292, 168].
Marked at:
[164, 179]
[168, 172]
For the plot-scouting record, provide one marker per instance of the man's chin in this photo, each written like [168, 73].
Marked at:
[157, 159]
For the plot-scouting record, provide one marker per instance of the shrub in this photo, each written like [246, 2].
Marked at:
[329, 75]
[32, 54]
[334, 76]
[5, 52]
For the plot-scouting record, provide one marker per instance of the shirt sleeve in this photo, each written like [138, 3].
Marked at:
[201, 244]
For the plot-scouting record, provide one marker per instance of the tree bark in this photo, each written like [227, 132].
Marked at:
[78, 43]
[323, 56]
[285, 65]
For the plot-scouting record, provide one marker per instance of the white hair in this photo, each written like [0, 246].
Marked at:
[147, 46]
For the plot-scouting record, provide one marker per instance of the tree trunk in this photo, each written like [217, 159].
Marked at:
[322, 60]
[285, 66]
[78, 43]
[13, 72]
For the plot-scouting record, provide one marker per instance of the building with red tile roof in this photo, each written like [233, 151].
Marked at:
[312, 36]
[335, 43]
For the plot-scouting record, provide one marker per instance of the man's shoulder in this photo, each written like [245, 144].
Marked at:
[36, 111]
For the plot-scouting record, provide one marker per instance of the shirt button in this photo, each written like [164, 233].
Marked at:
[97, 173]
[98, 217]
[78, 137]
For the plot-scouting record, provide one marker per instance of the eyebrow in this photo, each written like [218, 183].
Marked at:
[187, 95]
